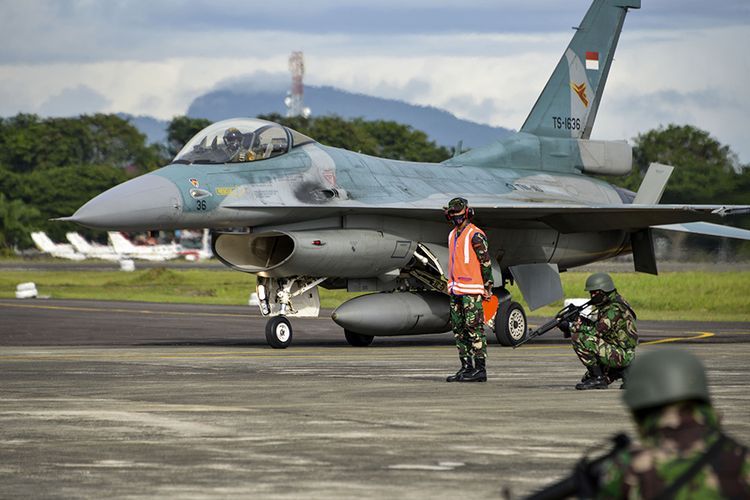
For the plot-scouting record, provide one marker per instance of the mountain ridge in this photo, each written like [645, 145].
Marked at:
[440, 126]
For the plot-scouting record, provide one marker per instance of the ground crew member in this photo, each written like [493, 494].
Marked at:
[683, 452]
[606, 343]
[469, 283]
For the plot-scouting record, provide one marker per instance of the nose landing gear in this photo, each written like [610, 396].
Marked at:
[279, 332]
[275, 297]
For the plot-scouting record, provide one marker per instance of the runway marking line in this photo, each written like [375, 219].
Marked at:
[701, 335]
[697, 336]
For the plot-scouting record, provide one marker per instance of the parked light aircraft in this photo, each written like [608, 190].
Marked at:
[60, 250]
[314, 215]
[201, 253]
[91, 250]
[125, 248]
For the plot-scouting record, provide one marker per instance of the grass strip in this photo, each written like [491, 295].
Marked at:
[695, 296]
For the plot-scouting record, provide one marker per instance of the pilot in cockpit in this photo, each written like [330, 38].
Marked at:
[265, 142]
[233, 144]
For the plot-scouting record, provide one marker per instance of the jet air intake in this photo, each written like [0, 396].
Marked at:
[335, 253]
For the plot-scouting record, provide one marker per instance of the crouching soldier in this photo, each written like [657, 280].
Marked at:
[606, 343]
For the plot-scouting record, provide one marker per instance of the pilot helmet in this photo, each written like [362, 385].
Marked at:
[233, 138]
[457, 207]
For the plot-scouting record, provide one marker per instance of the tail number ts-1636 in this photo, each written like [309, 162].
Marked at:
[566, 123]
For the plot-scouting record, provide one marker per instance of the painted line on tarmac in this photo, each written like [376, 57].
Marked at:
[139, 311]
[701, 335]
[697, 336]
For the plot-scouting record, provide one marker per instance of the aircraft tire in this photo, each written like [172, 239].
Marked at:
[279, 332]
[511, 326]
[358, 339]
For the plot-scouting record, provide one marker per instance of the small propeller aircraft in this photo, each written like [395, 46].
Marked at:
[59, 250]
[91, 250]
[300, 214]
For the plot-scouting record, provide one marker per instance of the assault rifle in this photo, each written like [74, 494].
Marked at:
[584, 481]
[566, 315]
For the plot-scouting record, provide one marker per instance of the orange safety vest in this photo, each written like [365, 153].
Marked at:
[464, 271]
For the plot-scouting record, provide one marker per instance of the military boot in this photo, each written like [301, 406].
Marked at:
[466, 367]
[478, 374]
[596, 381]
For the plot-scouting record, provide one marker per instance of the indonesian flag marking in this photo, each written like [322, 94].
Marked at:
[592, 60]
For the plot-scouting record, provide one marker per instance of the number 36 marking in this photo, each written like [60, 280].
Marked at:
[201, 205]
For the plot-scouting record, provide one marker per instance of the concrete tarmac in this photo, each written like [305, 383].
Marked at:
[140, 400]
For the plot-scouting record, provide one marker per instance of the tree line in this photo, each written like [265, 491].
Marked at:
[49, 167]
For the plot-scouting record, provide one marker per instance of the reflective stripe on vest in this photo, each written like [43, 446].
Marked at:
[464, 270]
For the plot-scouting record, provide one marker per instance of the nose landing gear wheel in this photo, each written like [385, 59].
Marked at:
[279, 332]
[510, 325]
[357, 339]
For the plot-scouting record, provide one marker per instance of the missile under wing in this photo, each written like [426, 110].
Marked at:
[300, 214]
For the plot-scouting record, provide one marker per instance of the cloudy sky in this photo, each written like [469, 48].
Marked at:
[678, 61]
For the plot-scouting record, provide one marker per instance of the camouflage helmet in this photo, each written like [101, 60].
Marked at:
[599, 281]
[665, 376]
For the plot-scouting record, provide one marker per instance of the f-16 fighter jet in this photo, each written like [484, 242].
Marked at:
[300, 214]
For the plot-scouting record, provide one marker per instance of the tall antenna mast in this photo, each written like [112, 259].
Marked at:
[294, 98]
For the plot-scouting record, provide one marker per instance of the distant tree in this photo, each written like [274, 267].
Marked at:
[705, 170]
[17, 220]
[59, 192]
[402, 142]
[386, 139]
[181, 129]
[28, 143]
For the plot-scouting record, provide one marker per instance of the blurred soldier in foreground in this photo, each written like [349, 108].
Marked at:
[606, 343]
[683, 452]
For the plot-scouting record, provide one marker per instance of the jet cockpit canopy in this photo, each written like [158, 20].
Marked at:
[240, 140]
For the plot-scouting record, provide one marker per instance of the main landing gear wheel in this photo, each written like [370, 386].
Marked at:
[510, 325]
[357, 339]
[279, 332]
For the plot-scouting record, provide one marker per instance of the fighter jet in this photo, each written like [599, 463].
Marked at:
[300, 214]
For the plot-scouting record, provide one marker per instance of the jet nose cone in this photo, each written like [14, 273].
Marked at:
[146, 202]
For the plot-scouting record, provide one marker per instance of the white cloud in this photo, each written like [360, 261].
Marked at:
[74, 101]
[669, 75]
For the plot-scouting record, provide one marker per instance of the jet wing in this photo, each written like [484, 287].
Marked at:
[708, 229]
[565, 218]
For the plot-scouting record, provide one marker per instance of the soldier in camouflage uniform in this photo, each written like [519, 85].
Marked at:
[606, 344]
[683, 452]
[469, 283]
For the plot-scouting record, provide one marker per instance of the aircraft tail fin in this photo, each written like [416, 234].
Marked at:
[42, 241]
[120, 243]
[569, 102]
[78, 242]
